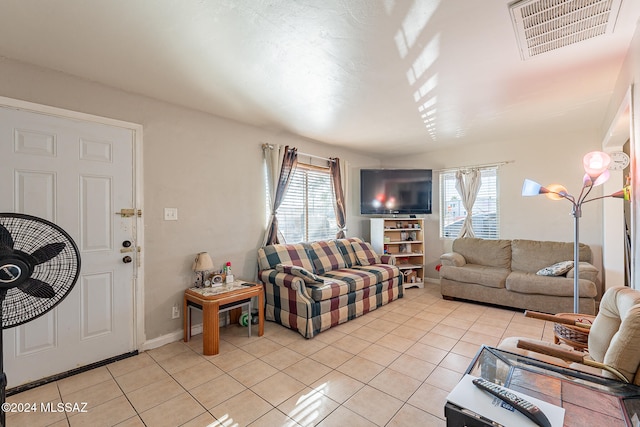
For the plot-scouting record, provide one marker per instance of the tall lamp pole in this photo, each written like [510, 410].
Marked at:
[596, 165]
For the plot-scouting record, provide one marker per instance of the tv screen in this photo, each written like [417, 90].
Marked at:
[395, 191]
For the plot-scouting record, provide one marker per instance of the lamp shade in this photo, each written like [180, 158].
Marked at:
[202, 262]
[604, 176]
[531, 188]
[625, 193]
[595, 163]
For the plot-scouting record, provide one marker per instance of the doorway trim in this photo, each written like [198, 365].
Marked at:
[614, 235]
[138, 328]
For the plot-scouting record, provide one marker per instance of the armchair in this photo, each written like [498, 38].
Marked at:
[613, 341]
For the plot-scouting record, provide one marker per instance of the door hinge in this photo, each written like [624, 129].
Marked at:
[126, 213]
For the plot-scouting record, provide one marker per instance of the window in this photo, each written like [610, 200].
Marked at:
[307, 211]
[485, 216]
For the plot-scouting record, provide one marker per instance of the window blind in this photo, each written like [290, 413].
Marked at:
[307, 211]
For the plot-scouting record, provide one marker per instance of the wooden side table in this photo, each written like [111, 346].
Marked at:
[214, 300]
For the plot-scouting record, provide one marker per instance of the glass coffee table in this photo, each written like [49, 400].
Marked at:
[588, 400]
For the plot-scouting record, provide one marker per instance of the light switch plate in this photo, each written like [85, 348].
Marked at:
[170, 214]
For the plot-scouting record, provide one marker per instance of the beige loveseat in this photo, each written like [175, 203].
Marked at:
[503, 272]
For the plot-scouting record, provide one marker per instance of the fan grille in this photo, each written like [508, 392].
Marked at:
[545, 25]
[61, 272]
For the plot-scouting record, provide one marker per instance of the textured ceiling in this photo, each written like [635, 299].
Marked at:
[376, 76]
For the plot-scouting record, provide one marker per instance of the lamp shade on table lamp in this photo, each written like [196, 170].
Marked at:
[201, 265]
[203, 262]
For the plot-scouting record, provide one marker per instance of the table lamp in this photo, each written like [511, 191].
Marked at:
[202, 265]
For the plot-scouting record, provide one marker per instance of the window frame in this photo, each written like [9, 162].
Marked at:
[309, 171]
[489, 198]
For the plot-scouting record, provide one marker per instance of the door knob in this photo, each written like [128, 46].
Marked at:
[127, 259]
[126, 243]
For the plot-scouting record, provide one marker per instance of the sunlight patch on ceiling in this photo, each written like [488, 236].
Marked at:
[425, 60]
[545, 25]
[413, 23]
[406, 39]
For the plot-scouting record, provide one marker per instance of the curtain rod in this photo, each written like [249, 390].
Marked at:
[316, 157]
[486, 165]
[265, 145]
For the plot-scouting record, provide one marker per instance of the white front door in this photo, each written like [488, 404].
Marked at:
[76, 174]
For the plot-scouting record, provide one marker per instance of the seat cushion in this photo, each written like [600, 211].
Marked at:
[331, 288]
[494, 277]
[356, 279]
[531, 283]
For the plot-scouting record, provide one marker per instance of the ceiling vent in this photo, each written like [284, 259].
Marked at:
[545, 25]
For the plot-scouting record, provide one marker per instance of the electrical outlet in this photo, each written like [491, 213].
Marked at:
[175, 312]
[170, 214]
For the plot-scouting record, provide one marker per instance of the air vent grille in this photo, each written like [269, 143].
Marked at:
[545, 25]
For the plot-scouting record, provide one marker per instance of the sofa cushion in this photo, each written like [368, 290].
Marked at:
[347, 250]
[533, 255]
[365, 253]
[304, 274]
[358, 279]
[530, 283]
[585, 271]
[558, 269]
[292, 254]
[325, 256]
[382, 271]
[330, 288]
[494, 277]
[491, 253]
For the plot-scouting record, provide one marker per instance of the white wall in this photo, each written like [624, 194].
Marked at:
[546, 158]
[208, 167]
[625, 95]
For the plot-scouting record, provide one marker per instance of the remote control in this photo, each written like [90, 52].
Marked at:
[530, 410]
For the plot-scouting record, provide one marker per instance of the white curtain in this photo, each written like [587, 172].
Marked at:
[468, 184]
[273, 157]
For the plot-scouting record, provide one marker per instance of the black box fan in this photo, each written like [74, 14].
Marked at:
[39, 265]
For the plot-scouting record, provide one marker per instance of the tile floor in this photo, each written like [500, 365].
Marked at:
[392, 367]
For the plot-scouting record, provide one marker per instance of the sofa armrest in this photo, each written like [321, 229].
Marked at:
[589, 272]
[453, 259]
[286, 280]
[586, 271]
[388, 259]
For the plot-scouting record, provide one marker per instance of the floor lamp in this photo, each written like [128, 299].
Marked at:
[596, 164]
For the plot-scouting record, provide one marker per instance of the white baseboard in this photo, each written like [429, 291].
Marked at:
[163, 339]
[174, 336]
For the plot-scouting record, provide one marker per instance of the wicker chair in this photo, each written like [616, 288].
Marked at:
[613, 347]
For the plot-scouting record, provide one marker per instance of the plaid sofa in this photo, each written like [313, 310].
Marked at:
[311, 287]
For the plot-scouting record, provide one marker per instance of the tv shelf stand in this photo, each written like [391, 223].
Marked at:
[403, 238]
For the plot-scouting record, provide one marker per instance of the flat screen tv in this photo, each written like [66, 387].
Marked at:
[395, 191]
